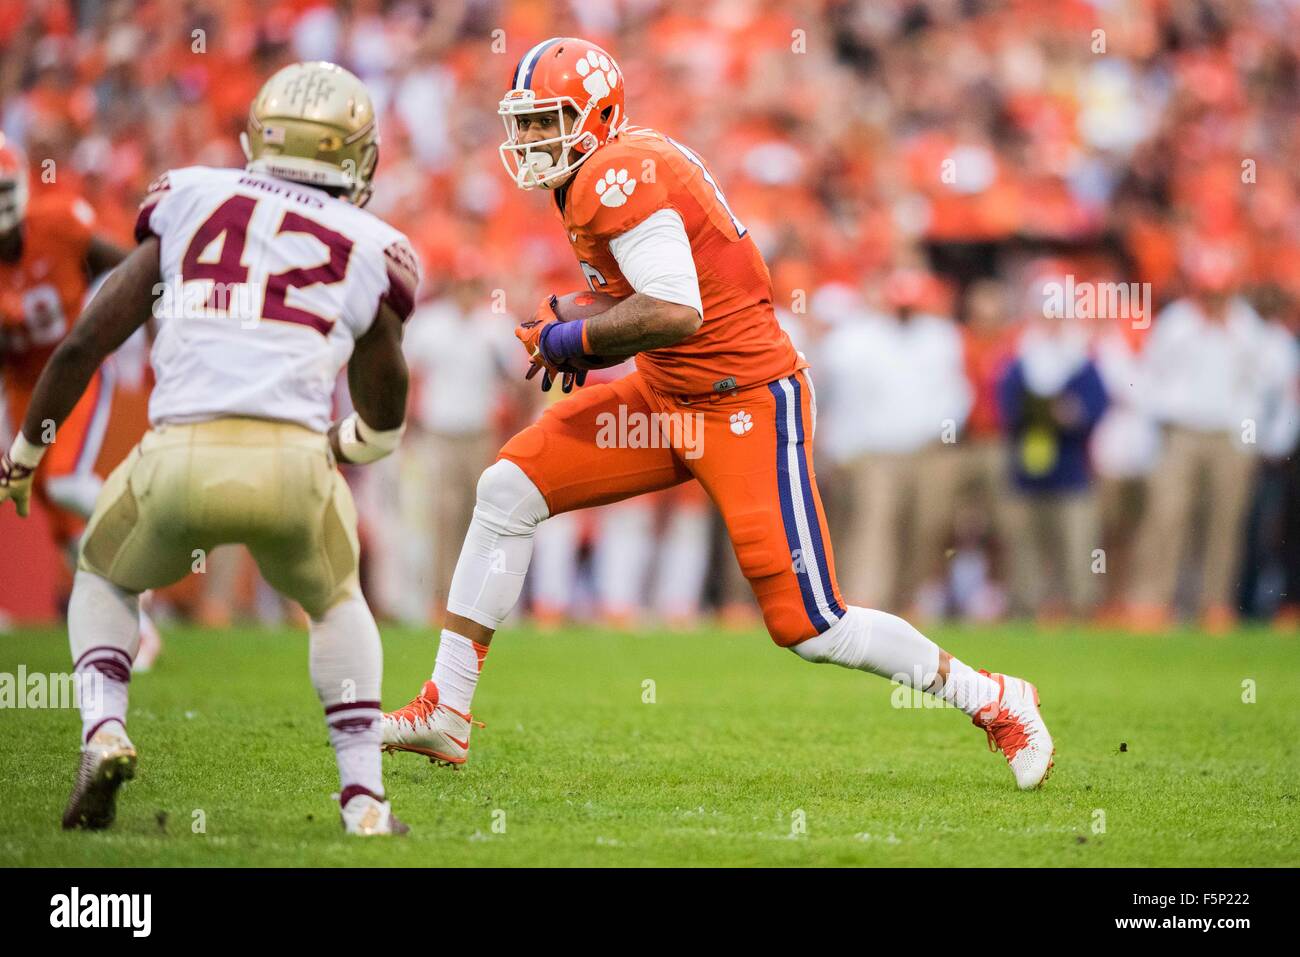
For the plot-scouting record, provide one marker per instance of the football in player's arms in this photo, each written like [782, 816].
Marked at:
[577, 307]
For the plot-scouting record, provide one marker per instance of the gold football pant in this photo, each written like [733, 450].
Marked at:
[186, 489]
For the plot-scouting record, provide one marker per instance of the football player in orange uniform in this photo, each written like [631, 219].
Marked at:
[720, 396]
[49, 254]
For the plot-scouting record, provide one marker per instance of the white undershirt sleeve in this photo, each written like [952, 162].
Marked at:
[655, 258]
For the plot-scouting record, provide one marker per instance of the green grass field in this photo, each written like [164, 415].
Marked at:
[747, 756]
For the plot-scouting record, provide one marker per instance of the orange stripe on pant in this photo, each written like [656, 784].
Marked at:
[750, 450]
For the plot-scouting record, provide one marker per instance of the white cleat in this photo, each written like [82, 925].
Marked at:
[367, 816]
[425, 726]
[1016, 728]
[107, 761]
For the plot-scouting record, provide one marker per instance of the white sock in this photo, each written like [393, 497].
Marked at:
[347, 661]
[968, 689]
[104, 634]
[886, 645]
[456, 670]
[356, 736]
[498, 546]
[878, 642]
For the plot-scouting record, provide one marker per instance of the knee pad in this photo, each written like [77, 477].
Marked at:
[787, 623]
[508, 501]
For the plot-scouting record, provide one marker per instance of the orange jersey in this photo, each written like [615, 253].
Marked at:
[638, 173]
[41, 294]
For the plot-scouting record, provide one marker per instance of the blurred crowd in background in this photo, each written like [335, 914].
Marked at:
[1043, 256]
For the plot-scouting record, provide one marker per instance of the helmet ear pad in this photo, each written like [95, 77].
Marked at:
[596, 129]
[365, 173]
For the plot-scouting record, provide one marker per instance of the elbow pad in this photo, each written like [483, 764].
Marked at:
[362, 445]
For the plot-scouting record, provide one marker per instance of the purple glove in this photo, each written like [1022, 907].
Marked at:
[559, 343]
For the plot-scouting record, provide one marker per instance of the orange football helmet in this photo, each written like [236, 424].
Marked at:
[13, 186]
[560, 72]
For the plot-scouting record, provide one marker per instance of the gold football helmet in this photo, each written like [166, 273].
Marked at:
[314, 123]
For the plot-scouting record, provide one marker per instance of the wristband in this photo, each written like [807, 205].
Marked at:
[24, 453]
[362, 445]
[562, 341]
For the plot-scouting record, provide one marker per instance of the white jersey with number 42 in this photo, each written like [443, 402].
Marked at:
[266, 286]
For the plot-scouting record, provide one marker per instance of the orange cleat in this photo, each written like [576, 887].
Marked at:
[428, 727]
[1016, 728]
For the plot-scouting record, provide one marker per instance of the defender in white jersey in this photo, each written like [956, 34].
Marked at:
[250, 264]
[266, 282]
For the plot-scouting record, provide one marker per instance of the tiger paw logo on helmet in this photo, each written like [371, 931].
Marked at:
[598, 73]
[614, 188]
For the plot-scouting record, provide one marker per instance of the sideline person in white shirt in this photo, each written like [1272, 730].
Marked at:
[894, 397]
[464, 362]
[1222, 383]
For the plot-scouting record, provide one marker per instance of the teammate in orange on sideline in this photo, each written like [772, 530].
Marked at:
[719, 395]
[49, 254]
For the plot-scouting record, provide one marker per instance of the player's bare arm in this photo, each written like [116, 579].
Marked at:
[378, 380]
[101, 256]
[635, 324]
[641, 322]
